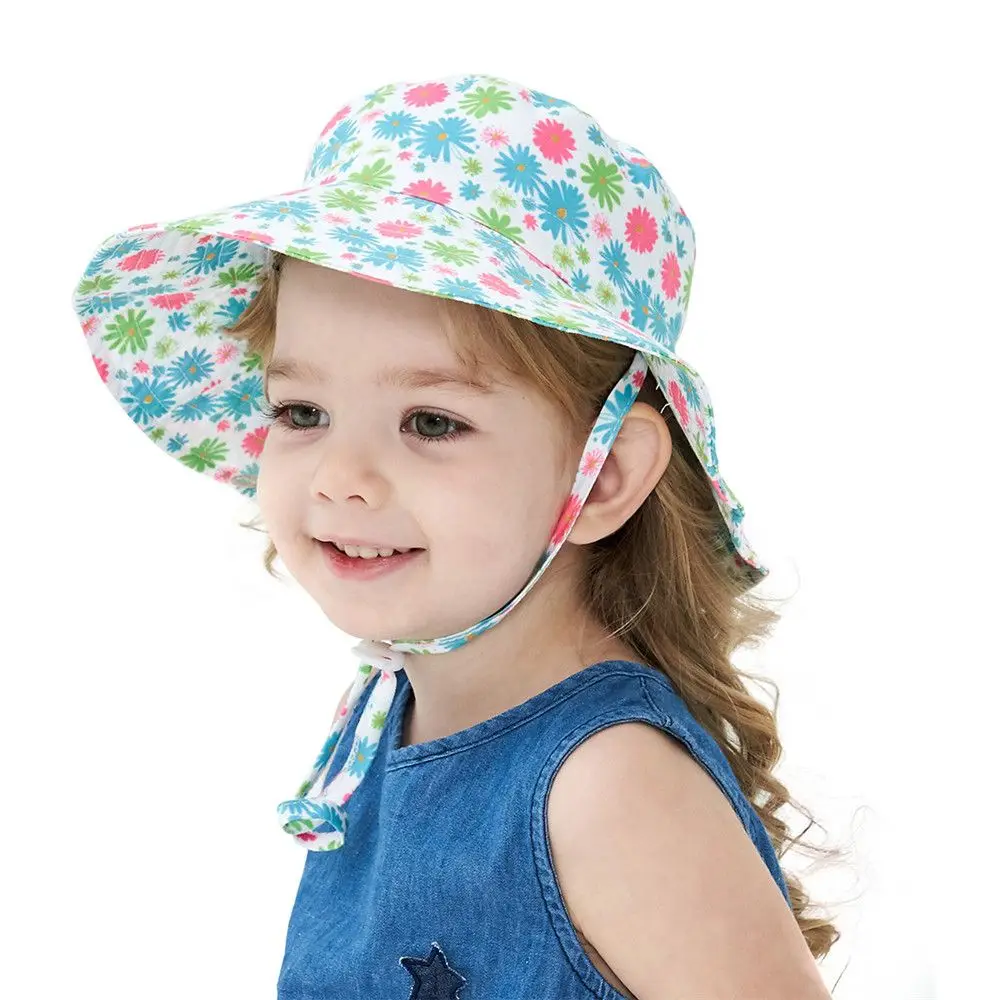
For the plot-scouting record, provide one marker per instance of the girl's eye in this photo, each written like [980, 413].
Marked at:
[281, 411]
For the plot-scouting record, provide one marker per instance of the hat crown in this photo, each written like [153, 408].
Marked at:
[534, 168]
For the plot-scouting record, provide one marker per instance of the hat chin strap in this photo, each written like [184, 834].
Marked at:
[319, 820]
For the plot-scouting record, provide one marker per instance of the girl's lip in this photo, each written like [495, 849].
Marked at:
[349, 568]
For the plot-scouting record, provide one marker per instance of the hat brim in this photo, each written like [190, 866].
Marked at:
[154, 299]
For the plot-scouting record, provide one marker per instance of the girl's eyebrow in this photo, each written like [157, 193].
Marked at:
[399, 377]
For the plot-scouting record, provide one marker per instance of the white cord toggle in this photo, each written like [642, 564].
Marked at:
[380, 654]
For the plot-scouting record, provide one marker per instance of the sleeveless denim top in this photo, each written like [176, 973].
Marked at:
[445, 887]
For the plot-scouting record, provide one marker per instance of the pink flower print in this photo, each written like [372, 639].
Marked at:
[305, 836]
[171, 300]
[554, 140]
[678, 403]
[251, 235]
[141, 367]
[348, 255]
[592, 461]
[194, 280]
[239, 215]
[640, 230]
[389, 199]
[339, 116]
[625, 315]
[566, 518]
[103, 369]
[444, 268]
[720, 492]
[338, 218]
[89, 325]
[142, 225]
[141, 260]
[405, 154]
[225, 352]
[428, 190]
[253, 443]
[638, 379]
[670, 275]
[498, 285]
[530, 222]
[222, 426]
[426, 94]
[328, 180]
[494, 136]
[601, 226]
[296, 191]
[400, 229]
[371, 277]
[371, 115]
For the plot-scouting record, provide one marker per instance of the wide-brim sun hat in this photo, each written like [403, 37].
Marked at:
[576, 230]
[469, 187]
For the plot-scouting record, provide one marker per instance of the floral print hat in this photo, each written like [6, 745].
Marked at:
[470, 187]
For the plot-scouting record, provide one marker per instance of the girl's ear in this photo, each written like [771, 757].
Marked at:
[638, 458]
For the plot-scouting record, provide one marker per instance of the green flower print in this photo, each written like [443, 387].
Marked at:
[603, 180]
[500, 223]
[486, 100]
[129, 333]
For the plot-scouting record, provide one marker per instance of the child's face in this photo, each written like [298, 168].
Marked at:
[482, 505]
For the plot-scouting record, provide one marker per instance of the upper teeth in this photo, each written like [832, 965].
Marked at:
[366, 553]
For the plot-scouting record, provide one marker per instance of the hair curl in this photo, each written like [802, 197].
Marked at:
[664, 581]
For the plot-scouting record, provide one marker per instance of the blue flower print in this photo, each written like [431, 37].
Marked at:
[201, 407]
[231, 311]
[177, 443]
[209, 257]
[541, 100]
[360, 758]
[470, 191]
[500, 245]
[645, 174]
[520, 168]
[353, 237]
[519, 275]
[146, 399]
[105, 303]
[563, 210]
[389, 256]
[614, 260]
[242, 398]
[461, 289]
[191, 367]
[637, 298]
[436, 138]
[617, 408]
[296, 210]
[396, 126]
[326, 155]
[178, 321]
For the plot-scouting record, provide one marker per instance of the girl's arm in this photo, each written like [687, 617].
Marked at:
[660, 876]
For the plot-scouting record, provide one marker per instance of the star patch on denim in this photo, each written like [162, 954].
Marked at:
[433, 977]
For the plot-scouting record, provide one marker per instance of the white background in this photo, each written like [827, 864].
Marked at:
[161, 693]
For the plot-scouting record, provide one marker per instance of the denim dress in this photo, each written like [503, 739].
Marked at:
[445, 888]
